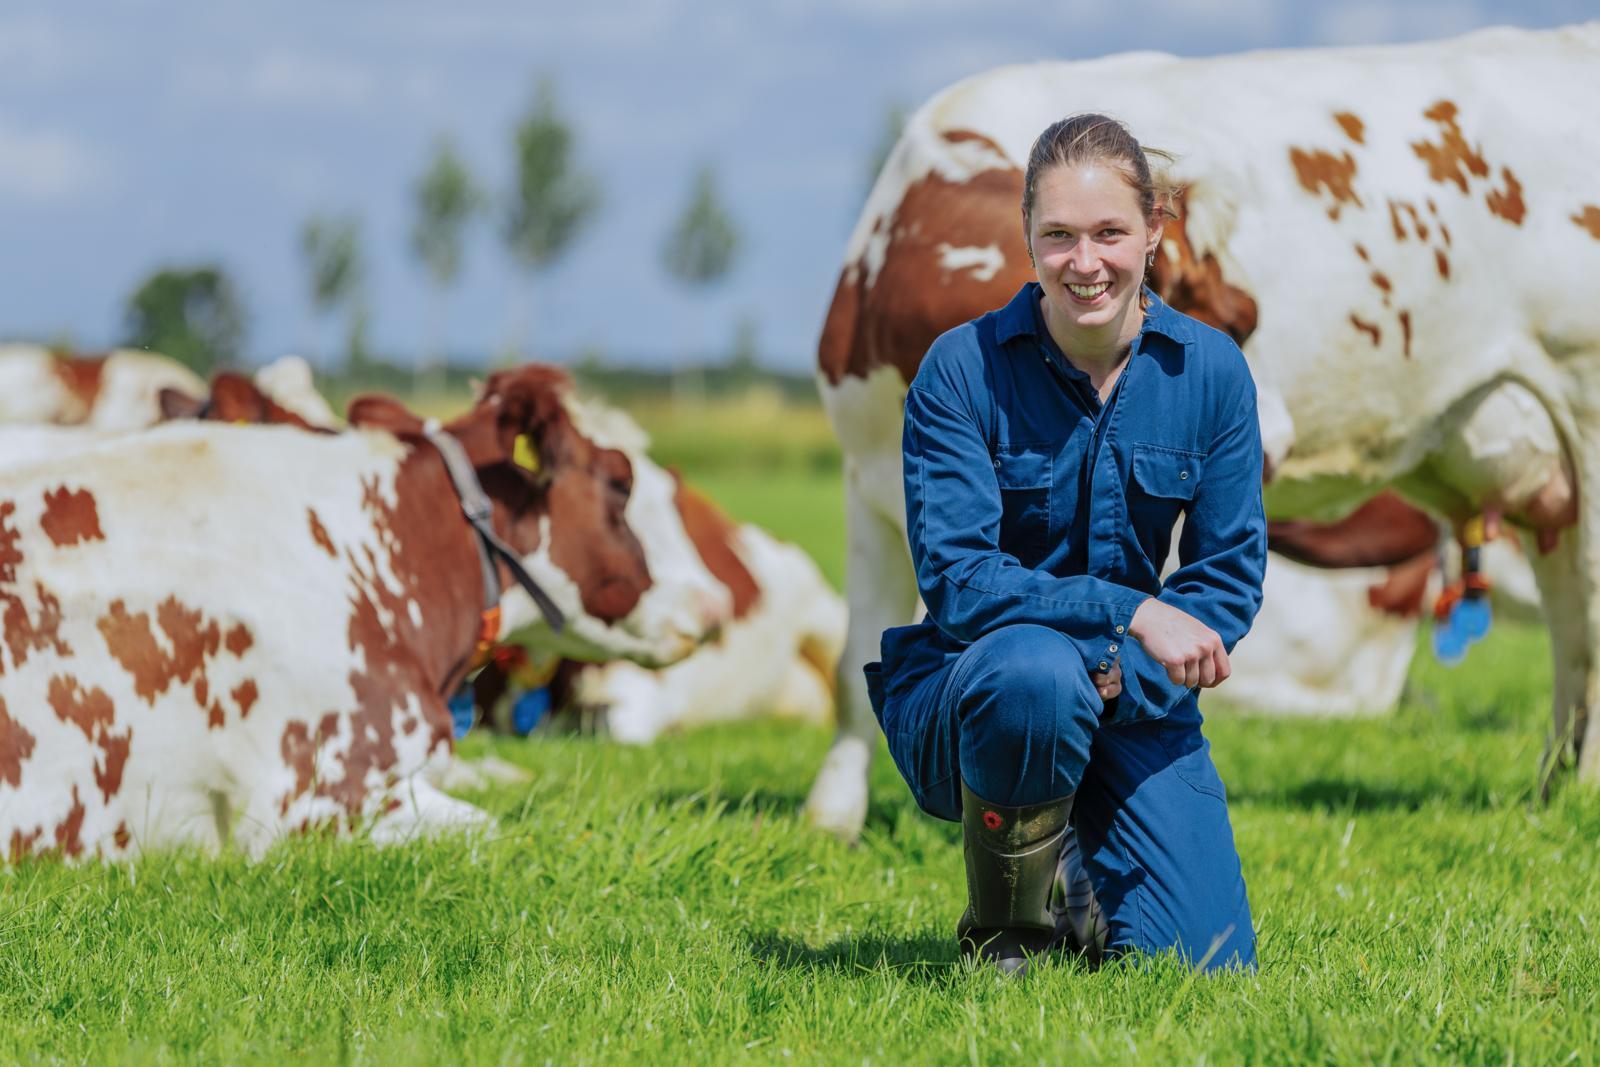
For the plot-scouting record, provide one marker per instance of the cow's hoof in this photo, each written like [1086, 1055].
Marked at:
[838, 800]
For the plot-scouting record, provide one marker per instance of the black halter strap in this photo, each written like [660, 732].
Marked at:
[477, 509]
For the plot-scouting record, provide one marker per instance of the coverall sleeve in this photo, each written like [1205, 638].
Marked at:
[1222, 553]
[969, 585]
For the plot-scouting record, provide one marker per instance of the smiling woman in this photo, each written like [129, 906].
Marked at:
[1049, 699]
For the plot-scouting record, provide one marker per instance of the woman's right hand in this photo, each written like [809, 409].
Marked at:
[1190, 650]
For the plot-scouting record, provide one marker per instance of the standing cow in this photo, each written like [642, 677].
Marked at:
[217, 632]
[1401, 239]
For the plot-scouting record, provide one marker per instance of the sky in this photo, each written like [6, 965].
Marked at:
[136, 135]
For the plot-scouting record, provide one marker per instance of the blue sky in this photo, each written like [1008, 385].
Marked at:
[140, 134]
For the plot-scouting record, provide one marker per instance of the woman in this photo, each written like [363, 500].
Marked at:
[1049, 448]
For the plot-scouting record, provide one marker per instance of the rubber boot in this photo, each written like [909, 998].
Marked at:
[1012, 855]
[1081, 927]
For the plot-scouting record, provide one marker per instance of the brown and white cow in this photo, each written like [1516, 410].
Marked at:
[114, 392]
[216, 632]
[776, 656]
[1400, 238]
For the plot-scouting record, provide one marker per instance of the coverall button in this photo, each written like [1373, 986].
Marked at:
[1104, 665]
[1120, 629]
[1183, 474]
[1113, 648]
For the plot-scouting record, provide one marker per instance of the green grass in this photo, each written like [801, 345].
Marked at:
[667, 905]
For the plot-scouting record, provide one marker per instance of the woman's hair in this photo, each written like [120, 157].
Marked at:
[1091, 138]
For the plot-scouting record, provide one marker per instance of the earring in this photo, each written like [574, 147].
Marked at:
[1150, 260]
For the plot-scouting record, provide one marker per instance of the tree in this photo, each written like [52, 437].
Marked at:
[551, 199]
[192, 314]
[331, 247]
[447, 198]
[702, 245]
[699, 251]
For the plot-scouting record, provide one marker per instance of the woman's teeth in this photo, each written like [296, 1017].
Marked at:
[1088, 292]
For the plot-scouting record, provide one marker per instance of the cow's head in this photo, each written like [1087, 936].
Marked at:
[591, 516]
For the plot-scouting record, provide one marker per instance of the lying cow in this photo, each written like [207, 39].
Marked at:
[1401, 253]
[118, 391]
[776, 656]
[217, 632]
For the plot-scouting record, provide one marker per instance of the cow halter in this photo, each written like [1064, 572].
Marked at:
[477, 509]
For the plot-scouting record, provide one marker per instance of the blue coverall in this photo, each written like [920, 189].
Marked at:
[1039, 520]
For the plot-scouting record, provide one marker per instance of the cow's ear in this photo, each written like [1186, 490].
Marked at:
[376, 412]
[177, 404]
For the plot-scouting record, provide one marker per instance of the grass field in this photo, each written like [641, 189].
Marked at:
[667, 905]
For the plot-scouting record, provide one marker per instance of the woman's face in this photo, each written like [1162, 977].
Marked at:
[1089, 241]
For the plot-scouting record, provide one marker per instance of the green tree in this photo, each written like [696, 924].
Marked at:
[699, 251]
[331, 248]
[192, 314]
[551, 199]
[702, 245]
[447, 198]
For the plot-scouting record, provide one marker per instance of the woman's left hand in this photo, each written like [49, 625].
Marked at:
[1108, 683]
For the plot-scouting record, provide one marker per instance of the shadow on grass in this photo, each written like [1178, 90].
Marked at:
[927, 957]
[880, 816]
[1342, 794]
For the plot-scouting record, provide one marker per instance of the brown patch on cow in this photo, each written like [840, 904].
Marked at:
[1368, 328]
[1394, 221]
[1362, 252]
[16, 745]
[238, 640]
[966, 136]
[1405, 588]
[1383, 532]
[93, 713]
[23, 844]
[87, 709]
[1320, 171]
[1433, 209]
[1417, 224]
[1352, 126]
[27, 634]
[194, 639]
[1405, 333]
[890, 320]
[1589, 219]
[714, 536]
[1442, 262]
[82, 376]
[298, 746]
[237, 399]
[245, 695]
[1381, 280]
[70, 517]
[1444, 231]
[1451, 159]
[1195, 285]
[69, 830]
[10, 554]
[1508, 203]
[319, 534]
[121, 838]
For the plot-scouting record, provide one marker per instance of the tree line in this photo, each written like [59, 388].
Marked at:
[196, 313]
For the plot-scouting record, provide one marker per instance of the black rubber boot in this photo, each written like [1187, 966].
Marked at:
[1081, 927]
[1013, 855]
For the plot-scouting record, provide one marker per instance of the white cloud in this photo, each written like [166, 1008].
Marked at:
[46, 164]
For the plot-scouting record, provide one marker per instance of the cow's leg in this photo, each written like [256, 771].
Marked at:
[881, 590]
[1562, 589]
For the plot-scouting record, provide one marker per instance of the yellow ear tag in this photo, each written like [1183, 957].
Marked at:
[523, 455]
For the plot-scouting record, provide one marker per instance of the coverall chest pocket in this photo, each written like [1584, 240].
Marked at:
[1023, 472]
[1164, 481]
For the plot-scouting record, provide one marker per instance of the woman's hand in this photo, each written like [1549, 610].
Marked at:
[1190, 650]
[1108, 683]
